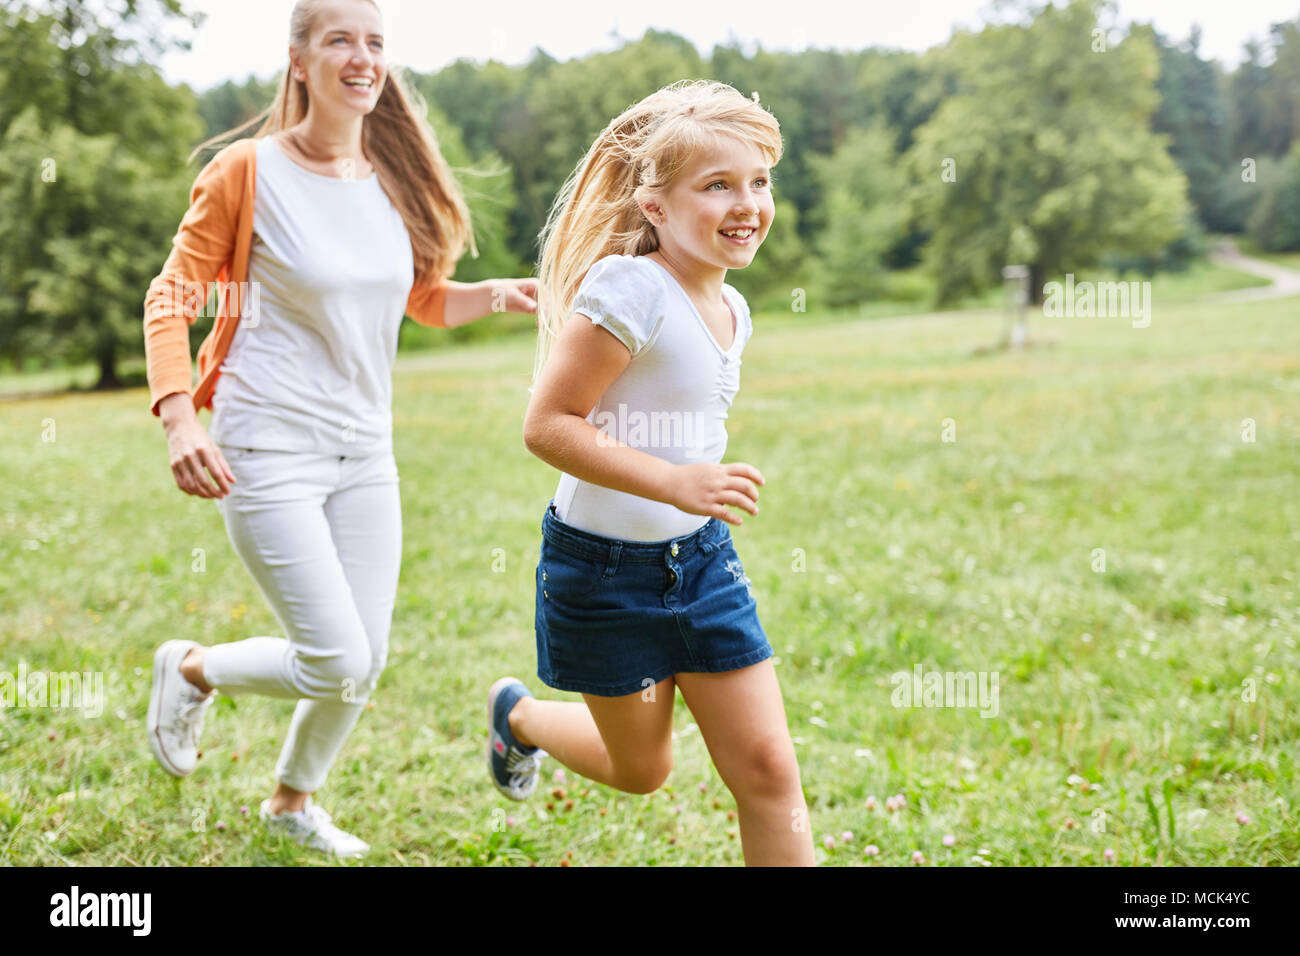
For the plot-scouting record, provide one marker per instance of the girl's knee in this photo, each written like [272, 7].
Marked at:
[766, 767]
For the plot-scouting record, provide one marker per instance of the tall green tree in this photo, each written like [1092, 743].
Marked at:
[233, 104]
[104, 214]
[1044, 155]
[1259, 106]
[1274, 223]
[859, 217]
[92, 169]
[1193, 113]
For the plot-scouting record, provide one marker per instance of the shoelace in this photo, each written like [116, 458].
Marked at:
[317, 822]
[310, 819]
[320, 819]
[189, 719]
[521, 766]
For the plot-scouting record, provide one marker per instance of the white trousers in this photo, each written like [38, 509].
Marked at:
[322, 537]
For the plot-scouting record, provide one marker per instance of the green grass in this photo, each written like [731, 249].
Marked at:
[974, 555]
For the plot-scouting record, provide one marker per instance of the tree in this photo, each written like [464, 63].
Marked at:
[92, 175]
[230, 105]
[859, 215]
[1274, 223]
[104, 216]
[490, 194]
[1193, 113]
[1044, 155]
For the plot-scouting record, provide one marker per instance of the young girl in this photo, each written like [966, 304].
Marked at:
[639, 590]
[341, 216]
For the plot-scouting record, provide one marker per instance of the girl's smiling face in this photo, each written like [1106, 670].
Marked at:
[718, 210]
[344, 64]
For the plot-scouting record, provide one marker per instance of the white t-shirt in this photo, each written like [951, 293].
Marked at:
[671, 401]
[312, 368]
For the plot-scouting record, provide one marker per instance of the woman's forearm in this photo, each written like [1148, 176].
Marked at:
[466, 301]
[576, 447]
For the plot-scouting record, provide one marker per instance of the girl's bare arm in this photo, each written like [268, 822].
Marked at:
[584, 361]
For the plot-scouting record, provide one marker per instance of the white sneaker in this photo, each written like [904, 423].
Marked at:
[311, 826]
[176, 711]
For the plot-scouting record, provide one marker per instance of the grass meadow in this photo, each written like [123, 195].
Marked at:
[1109, 520]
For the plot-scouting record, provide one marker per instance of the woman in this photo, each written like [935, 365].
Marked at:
[337, 218]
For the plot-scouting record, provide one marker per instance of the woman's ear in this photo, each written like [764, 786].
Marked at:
[296, 69]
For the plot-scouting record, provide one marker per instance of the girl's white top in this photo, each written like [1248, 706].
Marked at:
[311, 368]
[671, 401]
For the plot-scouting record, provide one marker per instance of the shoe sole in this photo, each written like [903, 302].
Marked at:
[160, 674]
[493, 691]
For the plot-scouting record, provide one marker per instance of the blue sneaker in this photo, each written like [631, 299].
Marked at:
[514, 767]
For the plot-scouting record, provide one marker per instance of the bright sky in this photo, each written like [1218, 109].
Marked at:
[251, 36]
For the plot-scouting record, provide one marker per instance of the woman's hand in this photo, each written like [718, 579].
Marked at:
[191, 451]
[514, 295]
[470, 301]
[709, 489]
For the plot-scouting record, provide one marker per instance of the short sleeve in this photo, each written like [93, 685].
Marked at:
[624, 296]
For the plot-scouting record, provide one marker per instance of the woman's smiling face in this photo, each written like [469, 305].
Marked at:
[343, 66]
[718, 210]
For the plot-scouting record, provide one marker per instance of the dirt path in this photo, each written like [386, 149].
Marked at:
[1286, 281]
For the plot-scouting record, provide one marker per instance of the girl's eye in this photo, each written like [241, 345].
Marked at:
[718, 183]
[761, 181]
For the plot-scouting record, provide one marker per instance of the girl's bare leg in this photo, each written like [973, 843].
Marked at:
[623, 742]
[742, 719]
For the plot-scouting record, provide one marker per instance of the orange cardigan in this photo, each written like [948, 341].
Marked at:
[212, 245]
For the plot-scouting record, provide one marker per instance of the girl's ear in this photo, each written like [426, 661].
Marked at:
[653, 212]
[295, 66]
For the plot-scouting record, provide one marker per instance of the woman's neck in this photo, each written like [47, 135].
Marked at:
[329, 140]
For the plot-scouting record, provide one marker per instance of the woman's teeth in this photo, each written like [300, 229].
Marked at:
[364, 82]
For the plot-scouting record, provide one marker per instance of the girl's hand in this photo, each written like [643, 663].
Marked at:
[192, 452]
[709, 489]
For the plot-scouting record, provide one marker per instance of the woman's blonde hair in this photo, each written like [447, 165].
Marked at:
[399, 143]
[639, 154]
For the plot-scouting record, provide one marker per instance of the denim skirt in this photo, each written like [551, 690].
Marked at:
[615, 617]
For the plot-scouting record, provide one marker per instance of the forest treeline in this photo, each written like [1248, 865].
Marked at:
[1050, 138]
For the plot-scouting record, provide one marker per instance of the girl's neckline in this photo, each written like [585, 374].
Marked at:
[313, 174]
[735, 318]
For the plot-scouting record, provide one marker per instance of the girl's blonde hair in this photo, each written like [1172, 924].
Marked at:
[638, 155]
[399, 143]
